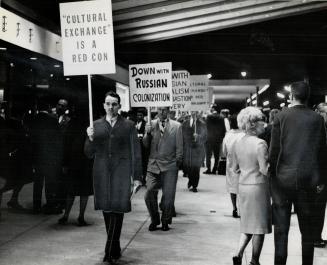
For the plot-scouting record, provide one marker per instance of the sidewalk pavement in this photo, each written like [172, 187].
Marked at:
[203, 232]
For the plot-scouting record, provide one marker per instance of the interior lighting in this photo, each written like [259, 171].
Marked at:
[282, 105]
[280, 95]
[67, 78]
[243, 73]
[3, 48]
[265, 103]
[51, 75]
[57, 66]
[264, 88]
[33, 58]
[209, 76]
[12, 65]
[287, 88]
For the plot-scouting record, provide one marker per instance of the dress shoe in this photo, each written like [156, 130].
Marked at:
[116, 256]
[207, 172]
[235, 214]
[63, 220]
[237, 260]
[152, 227]
[319, 243]
[194, 189]
[165, 227]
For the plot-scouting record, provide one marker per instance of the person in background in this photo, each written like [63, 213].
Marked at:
[321, 198]
[114, 145]
[224, 113]
[232, 179]
[267, 133]
[250, 161]
[45, 142]
[216, 131]
[77, 166]
[164, 138]
[140, 128]
[297, 159]
[63, 121]
[194, 138]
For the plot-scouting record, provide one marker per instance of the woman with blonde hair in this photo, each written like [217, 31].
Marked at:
[251, 162]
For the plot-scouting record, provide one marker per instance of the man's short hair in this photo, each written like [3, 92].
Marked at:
[112, 94]
[300, 91]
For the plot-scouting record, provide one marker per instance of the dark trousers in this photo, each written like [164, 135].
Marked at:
[114, 223]
[303, 200]
[46, 175]
[167, 181]
[319, 214]
[193, 173]
[212, 147]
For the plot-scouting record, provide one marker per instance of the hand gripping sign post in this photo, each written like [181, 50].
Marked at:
[87, 40]
[150, 85]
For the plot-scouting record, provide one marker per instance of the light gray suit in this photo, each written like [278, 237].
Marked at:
[166, 154]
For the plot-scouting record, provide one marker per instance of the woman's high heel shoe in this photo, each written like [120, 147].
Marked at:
[237, 260]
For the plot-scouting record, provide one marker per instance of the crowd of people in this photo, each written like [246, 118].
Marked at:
[270, 165]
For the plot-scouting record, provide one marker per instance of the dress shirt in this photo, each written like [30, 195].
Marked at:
[112, 120]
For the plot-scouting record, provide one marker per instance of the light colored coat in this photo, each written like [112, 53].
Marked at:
[228, 151]
[165, 151]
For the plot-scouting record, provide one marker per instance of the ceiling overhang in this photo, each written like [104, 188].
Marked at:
[237, 89]
[155, 20]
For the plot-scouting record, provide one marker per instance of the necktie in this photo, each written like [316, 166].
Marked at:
[162, 128]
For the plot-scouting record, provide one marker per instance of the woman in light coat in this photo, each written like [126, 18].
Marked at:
[228, 146]
[251, 162]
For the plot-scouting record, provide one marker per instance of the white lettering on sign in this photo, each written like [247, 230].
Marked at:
[150, 85]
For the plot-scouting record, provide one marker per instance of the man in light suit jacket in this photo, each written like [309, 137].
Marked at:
[297, 157]
[165, 140]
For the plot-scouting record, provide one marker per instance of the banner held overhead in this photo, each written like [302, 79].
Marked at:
[151, 85]
[87, 37]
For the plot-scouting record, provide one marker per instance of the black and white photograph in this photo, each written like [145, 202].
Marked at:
[163, 132]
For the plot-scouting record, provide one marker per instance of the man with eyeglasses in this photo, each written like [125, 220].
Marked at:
[114, 145]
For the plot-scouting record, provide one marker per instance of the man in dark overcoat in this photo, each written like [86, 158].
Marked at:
[194, 139]
[114, 145]
[298, 170]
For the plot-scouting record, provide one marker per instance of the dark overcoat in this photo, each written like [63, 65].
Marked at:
[194, 151]
[117, 159]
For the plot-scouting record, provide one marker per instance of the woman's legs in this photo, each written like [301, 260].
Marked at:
[257, 243]
[244, 241]
[233, 197]
[69, 205]
[82, 206]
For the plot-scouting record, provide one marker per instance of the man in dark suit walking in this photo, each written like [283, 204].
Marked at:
[216, 133]
[297, 157]
[165, 139]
